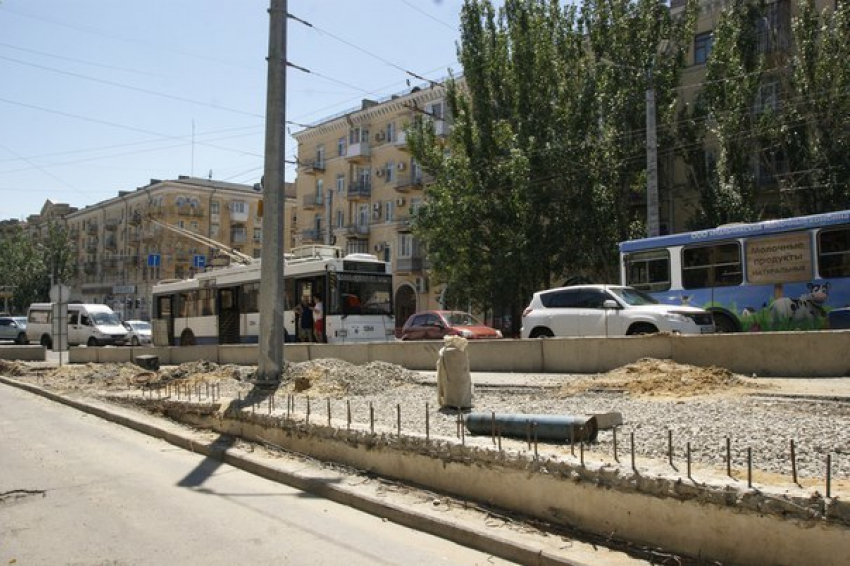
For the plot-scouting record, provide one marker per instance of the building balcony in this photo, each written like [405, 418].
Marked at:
[441, 128]
[238, 238]
[152, 234]
[111, 224]
[403, 223]
[361, 190]
[401, 141]
[356, 230]
[358, 153]
[407, 183]
[91, 247]
[135, 218]
[312, 201]
[189, 210]
[312, 167]
[110, 243]
[411, 264]
[311, 235]
[91, 229]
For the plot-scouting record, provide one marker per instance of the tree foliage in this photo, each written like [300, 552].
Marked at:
[28, 267]
[547, 149]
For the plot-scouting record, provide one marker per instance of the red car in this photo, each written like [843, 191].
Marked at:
[433, 325]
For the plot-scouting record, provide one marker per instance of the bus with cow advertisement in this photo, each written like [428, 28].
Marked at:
[222, 305]
[787, 274]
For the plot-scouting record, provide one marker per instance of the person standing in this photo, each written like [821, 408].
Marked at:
[305, 321]
[319, 317]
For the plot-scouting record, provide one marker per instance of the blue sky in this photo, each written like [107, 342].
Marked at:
[98, 96]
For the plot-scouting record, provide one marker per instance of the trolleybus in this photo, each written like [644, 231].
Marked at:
[788, 274]
[221, 306]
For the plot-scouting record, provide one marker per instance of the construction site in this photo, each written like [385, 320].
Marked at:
[677, 463]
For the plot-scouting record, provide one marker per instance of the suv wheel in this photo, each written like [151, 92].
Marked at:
[47, 341]
[22, 339]
[641, 328]
[541, 333]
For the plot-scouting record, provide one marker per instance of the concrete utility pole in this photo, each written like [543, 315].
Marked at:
[272, 304]
[653, 223]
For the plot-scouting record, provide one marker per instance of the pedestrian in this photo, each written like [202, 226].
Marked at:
[305, 321]
[319, 318]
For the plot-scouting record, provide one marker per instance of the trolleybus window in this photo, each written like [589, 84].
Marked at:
[834, 253]
[712, 266]
[648, 271]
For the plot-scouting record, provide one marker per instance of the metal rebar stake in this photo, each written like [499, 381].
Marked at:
[427, 422]
[398, 418]
[348, 414]
[371, 418]
[670, 447]
[632, 436]
[828, 475]
[614, 434]
[749, 467]
[728, 456]
[793, 463]
[329, 411]
[688, 449]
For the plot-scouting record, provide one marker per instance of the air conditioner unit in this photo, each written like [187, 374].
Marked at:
[376, 206]
[379, 173]
[376, 214]
[379, 136]
[379, 247]
[399, 202]
[421, 285]
[402, 166]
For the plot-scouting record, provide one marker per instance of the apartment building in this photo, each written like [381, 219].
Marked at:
[124, 245]
[357, 187]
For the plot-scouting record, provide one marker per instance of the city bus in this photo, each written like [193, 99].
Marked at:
[788, 274]
[222, 306]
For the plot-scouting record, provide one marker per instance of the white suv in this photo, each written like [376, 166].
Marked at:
[608, 310]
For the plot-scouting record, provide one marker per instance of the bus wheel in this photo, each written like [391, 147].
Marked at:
[187, 338]
[724, 324]
[47, 342]
[541, 333]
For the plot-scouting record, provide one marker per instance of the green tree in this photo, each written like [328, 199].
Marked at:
[816, 109]
[733, 76]
[547, 146]
[28, 266]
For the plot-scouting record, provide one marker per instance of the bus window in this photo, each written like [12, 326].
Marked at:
[648, 271]
[250, 300]
[206, 302]
[711, 266]
[834, 253]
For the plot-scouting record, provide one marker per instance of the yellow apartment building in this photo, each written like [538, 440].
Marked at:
[357, 187]
[124, 245]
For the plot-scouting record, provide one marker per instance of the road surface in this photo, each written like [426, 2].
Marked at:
[75, 489]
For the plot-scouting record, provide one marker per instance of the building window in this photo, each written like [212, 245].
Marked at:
[238, 206]
[320, 190]
[340, 219]
[767, 98]
[390, 132]
[702, 47]
[214, 228]
[258, 234]
[215, 207]
[320, 156]
[194, 226]
[389, 211]
[390, 176]
[340, 147]
[340, 183]
[405, 245]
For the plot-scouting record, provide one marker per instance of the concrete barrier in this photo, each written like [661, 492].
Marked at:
[773, 354]
[23, 353]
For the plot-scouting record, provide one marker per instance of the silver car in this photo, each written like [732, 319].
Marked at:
[14, 328]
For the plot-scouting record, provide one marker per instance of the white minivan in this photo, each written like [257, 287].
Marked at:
[92, 325]
[608, 310]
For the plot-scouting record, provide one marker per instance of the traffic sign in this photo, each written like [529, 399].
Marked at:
[154, 260]
[200, 261]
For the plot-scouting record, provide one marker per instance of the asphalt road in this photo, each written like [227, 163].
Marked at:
[78, 490]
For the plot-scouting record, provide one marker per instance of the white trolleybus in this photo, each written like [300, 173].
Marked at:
[788, 274]
[221, 306]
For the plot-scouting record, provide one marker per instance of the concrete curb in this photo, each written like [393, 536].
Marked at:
[477, 539]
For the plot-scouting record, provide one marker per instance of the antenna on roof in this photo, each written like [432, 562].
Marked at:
[210, 177]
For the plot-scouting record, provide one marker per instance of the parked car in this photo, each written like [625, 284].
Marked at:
[433, 325]
[608, 310]
[138, 332]
[14, 328]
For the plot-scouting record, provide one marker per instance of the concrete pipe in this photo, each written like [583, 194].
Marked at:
[548, 427]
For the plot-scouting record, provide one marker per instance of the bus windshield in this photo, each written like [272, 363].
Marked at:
[361, 293]
[633, 297]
